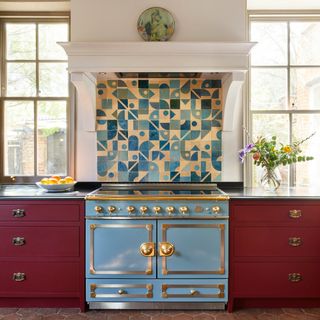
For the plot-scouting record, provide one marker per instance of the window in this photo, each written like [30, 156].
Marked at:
[284, 94]
[34, 99]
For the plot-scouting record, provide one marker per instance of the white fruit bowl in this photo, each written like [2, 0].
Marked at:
[56, 187]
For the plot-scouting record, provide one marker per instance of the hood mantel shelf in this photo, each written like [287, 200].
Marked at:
[87, 59]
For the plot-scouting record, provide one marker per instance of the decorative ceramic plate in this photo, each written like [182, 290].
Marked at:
[56, 187]
[155, 24]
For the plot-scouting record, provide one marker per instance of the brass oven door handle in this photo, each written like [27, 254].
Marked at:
[295, 241]
[19, 276]
[18, 213]
[18, 241]
[166, 249]
[147, 249]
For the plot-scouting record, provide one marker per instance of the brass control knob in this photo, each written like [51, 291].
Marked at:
[131, 209]
[143, 209]
[170, 210]
[215, 209]
[98, 209]
[184, 210]
[112, 209]
[156, 210]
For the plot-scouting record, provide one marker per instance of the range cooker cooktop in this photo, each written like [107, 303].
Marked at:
[157, 200]
[156, 191]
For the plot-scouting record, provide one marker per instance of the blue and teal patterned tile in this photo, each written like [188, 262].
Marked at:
[185, 125]
[164, 93]
[175, 94]
[174, 104]
[206, 104]
[174, 83]
[123, 135]
[186, 87]
[101, 85]
[106, 103]
[153, 135]
[101, 145]
[143, 84]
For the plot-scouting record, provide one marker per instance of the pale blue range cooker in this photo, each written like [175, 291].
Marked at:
[152, 246]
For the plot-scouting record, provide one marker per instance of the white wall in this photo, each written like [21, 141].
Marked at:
[196, 20]
[283, 4]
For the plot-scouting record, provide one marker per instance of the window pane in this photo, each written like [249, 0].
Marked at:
[308, 173]
[305, 88]
[305, 44]
[21, 79]
[21, 41]
[272, 43]
[18, 138]
[52, 146]
[53, 79]
[268, 88]
[49, 34]
[271, 125]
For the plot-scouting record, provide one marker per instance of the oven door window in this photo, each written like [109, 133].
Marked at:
[194, 248]
[120, 249]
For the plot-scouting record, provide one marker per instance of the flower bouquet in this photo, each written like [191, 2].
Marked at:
[269, 154]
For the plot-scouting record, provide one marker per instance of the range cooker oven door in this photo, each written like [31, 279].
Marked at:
[193, 249]
[120, 249]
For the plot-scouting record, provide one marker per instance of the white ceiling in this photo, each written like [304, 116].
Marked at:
[9, 5]
[283, 4]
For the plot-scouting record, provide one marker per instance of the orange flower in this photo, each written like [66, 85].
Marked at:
[287, 149]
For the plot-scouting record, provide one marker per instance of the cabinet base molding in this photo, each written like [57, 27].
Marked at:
[241, 303]
[42, 303]
[158, 305]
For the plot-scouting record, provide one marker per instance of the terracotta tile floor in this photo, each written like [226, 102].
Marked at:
[74, 314]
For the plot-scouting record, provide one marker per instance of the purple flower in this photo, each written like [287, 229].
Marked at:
[243, 152]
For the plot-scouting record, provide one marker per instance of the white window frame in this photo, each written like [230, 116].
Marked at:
[38, 18]
[277, 16]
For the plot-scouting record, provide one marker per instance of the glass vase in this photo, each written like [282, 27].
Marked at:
[270, 179]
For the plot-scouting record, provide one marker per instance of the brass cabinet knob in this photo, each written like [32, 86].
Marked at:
[143, 209]
[294, 277]
[98, 209]
[156, 210]
[295, 214]
[295, 241]
[166, 249]
[19, 276]
[215, 209]
[184, 210]
[122, 292]
[112, 209]
[131, 209]
[18, 213]
[18, 241]
[170, 210]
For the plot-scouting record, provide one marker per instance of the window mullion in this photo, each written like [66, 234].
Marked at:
[36, 105]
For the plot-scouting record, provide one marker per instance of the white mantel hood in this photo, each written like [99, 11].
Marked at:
[87, 59]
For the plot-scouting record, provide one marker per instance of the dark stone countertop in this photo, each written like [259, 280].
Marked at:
[32, 192]
[283, 193]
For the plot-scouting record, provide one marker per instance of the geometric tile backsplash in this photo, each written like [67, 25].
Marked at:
[166, 130]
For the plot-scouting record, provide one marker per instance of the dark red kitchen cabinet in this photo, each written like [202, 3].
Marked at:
[42, 253]
[274, 253]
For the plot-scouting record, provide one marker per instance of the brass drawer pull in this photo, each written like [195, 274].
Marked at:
[295, 241]
[194, 292]
[19, 276]
[294, 277]
[122, 292]
[295, 214]
[18, 213]
[18, 241]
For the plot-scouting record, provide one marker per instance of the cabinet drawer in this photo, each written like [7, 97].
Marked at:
[119, 290]
[20, 212]
[194, 290]
[291, 213]
[276, 280]
[276, 242]
[39, 279]
[39, 241]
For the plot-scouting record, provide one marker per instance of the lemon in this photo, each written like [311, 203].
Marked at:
[44, 181]
[62, 181]
[69, 179]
